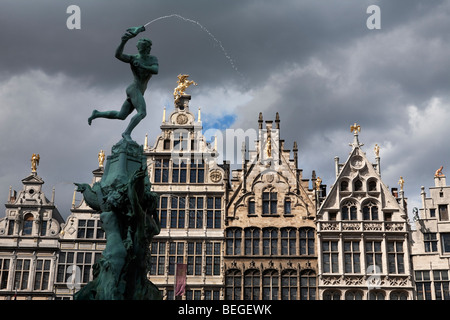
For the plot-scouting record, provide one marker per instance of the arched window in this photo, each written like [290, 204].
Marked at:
[358, 185]
[252, 285]
[234, 240]
[372, 185]
[308, 285]
[353, 295]
[27, 224]
[376, 295]
[252, 237]
[370, 211]
[270, 285]
[270, 241]
[233, 285]
[332, 295]
[399, 295]
[288, 241]
[307, 241]
[289, 285]
[344, 185]
[348, 211]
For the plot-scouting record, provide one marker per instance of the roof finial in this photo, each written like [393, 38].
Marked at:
[34, 162]
[401, 182]
[376, 149]
[146, 141]
[260, 120]
[101, 158]
[355, 128]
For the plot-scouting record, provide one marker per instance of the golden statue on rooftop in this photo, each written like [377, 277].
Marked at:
[376, 149]
[101, 158]
[439, 173]
[34, 162]
[318, 183]
[355, 128]
[269, 145]
[183, 84]
[401, 182]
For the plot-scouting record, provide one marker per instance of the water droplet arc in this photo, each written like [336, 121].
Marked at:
[230, 60]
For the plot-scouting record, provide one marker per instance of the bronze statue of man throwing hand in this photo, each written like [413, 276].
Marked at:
[143, 66]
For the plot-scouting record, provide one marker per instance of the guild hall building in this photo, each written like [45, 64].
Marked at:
[261, 231]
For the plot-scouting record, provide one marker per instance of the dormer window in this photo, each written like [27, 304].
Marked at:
[269, 202]
[180, 140]
[27, 225]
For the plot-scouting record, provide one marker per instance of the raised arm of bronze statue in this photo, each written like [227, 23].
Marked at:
[143, 66]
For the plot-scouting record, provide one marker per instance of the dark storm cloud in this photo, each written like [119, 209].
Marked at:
[260, 36]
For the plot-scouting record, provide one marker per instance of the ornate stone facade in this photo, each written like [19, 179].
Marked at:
[431, 242]
[184, 172]
[363, 235]
[82, 241]
[29, 242]
[256, 232]
[270, 233]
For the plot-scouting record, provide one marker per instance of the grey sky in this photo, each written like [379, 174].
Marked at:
[314, 62]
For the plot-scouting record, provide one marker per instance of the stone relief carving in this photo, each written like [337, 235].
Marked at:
[330, 226]
[351, 226]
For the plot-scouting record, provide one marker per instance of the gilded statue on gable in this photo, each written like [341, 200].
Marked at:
[183, 84]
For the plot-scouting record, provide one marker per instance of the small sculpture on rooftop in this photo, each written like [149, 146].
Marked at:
[355, 128]
[183, 84]
[401, 182]
[34, 162]
[101, 158]
[376, 149]
[439, 173]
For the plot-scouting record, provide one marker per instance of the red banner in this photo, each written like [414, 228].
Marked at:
[180, 279]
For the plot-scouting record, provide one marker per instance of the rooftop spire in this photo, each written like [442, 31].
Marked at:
[355, 128]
